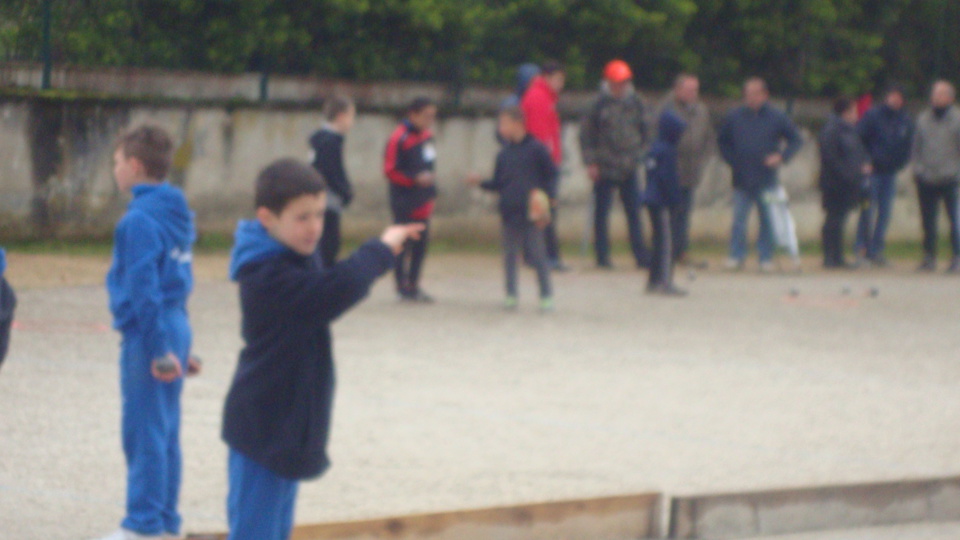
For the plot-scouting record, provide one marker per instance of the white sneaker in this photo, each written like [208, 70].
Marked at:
[124, 534]
[767, 267]
[733, 264]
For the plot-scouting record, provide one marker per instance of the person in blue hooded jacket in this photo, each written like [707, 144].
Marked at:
[148, 283]
[8, 303]
[663, 196]
[276, 418]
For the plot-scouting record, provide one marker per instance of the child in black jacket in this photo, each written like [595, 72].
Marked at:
[662, 197]
[277, 414]
[524, 167]
[339, 114]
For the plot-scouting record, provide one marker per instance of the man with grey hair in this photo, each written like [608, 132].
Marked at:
[936, 165]
[697, 144]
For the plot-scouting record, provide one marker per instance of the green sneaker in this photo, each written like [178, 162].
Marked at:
[546, 305]
[510, 303]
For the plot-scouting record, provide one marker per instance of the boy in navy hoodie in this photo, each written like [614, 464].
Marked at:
[662, 197]
[523, 165]
[148, 284]
[277, 414]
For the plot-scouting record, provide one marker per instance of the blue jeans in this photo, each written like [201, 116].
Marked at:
[150, 414]
[742, 203]
[874, 220]
[260, 504]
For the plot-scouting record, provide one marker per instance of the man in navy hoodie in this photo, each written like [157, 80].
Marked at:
[887, 132]
[149, 281]
[276, 418]
[755, 139]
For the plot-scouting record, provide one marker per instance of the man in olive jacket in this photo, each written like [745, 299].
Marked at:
[696, 146]
[612, 135]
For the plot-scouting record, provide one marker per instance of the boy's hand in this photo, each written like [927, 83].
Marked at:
[166, 368]
[473, 179]
[194, 365]
[395, 236]
[426, 178]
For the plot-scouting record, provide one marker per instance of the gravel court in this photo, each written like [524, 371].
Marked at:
[460, 405]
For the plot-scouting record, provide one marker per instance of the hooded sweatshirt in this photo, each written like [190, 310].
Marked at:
[539, 106]
[521, 168]
[152, 267]
[842, 157]
[663, 179]
[278, 408]
[887, 134]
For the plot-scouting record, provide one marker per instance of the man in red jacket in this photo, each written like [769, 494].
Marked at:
[539, 106]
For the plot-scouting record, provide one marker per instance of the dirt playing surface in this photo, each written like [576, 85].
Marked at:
[742, 385]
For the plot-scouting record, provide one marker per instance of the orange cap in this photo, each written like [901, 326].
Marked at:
[617, 71]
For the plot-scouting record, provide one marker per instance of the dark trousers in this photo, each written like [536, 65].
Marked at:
[661, 260]
[330, 241]
[832, 233]
[525, 238]
[930, 196]
[603, 201]
[410, 261]
[680, 223]
[552, 244]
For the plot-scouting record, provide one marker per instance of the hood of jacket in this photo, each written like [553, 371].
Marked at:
[671, 127]
[167, 206]
[252, 243]
[525, 75]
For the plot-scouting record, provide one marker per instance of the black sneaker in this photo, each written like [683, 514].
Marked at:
[954, 267]
[879, 261]
[421, 297]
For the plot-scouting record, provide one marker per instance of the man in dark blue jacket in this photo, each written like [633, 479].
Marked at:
[755, 139]
[887, 132]
[277, 414]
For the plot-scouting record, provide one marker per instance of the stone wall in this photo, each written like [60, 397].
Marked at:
[55, 178]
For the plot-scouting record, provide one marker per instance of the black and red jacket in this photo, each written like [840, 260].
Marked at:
[410, 152]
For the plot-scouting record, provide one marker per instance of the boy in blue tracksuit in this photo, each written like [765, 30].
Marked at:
[276, 418]
[148, 284]
[662, 197]
[523, 165]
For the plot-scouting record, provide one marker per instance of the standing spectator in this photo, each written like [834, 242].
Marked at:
[539, 106]
[662, 197]
[409, 163]
[755, 139]
[844, 164]
[612, 135]
[339, 114]
[696, 145]
[8, 303]
[887, 132]
[936, 161]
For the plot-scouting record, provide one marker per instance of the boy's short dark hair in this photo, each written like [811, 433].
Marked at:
[151, 145]
[334, 106]
[842, 105]
[514, 112]
[283, 181]
[550, 67]
[419, 103]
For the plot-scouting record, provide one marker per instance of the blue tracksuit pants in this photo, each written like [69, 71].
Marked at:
[260, 504]
[151, 431]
